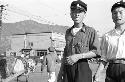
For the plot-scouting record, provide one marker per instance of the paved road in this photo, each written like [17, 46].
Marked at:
[36, 76]
[39, 76]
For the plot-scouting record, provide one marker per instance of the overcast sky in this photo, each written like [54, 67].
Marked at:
[58, 12]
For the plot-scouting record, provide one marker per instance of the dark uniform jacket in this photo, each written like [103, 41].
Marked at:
[83, 41]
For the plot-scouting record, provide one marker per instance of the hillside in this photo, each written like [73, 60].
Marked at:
[29, 26]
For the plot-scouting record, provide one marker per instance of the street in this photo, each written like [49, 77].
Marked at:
[36, 76]
[41, 76]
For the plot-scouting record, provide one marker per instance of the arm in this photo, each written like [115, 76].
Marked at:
[94, 47]
[74, 58]
[89, 54]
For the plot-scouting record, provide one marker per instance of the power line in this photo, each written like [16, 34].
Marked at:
[50, 7]
[27, 14]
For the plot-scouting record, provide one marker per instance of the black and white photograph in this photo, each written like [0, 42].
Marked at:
[62, 40]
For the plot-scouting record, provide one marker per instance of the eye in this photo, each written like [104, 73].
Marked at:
[121, 12]
[114, 13]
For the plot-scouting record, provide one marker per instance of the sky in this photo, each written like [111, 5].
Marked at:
[58, 12]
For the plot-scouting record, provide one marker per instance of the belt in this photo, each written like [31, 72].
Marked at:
[117, 61]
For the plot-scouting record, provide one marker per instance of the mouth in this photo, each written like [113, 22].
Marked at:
[76, 18]
[118, 19]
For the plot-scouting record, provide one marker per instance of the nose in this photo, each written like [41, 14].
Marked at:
[118, 15]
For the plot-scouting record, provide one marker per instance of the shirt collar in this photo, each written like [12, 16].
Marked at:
[83, 29]
[116, 31]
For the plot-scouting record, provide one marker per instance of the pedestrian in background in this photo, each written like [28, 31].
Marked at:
[113, 47]
[81, 45]
[50, 60]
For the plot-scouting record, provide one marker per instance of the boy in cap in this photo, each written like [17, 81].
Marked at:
[81, 45]
[113, 47]
[50, 60]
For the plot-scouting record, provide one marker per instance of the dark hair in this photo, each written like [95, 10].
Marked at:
[51, 49]
[118, 4]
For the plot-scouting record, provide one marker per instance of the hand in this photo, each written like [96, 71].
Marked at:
[73, 59]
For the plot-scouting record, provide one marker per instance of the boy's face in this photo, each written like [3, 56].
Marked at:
[118, 15]
[77, 16]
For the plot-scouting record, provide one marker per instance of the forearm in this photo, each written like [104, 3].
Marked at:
[74, 58]
[89, 54]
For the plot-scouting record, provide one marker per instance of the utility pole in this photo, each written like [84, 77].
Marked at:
[1, 13]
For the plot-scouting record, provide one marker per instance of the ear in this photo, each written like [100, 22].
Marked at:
[70, 13]
[84, 14]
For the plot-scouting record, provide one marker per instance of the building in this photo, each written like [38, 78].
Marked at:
[38, 43]
[34, 37]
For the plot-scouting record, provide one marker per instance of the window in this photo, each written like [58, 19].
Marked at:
[41, 52]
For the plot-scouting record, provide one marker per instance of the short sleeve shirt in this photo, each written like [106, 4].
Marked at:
[113, 45]
[83, 41]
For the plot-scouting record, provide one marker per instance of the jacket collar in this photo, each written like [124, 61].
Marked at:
[83, 29]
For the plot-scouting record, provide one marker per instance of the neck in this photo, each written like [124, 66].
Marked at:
[78, 25]
[120, 27]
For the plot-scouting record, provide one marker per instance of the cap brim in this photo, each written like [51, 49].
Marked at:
[78, 9]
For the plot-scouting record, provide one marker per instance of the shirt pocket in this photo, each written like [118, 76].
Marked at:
[82, 46]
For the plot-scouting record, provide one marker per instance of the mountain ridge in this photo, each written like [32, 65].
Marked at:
[30, 26]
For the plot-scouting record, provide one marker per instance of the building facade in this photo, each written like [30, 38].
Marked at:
[38, 43]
